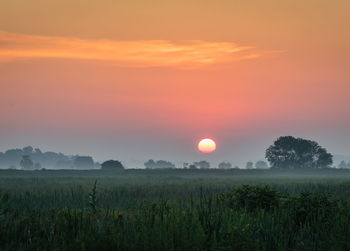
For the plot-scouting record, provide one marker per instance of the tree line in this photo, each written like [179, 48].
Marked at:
[29, 158]
[286, 152]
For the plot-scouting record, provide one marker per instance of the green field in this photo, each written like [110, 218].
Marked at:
[175, 210]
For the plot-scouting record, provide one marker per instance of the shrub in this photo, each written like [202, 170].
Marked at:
[310, 207]
[252, 197]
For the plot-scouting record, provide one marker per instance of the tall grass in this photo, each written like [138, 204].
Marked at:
[212, 213]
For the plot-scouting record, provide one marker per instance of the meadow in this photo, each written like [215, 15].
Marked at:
[175, 210]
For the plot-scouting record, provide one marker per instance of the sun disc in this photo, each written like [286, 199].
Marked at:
[206, 145]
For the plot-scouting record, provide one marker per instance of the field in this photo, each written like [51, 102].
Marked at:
[175, 210]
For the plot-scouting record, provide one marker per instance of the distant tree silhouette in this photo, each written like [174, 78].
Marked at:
[202, 164]
[112, 165]
[344, 165]
[46, 159]
[225, 165]
[150, 164]
[260, 164]
[192, 167]
[249, 165]
[83, 162]
[160, 164]
[164, 164]
[38, 151]
[37, 166]
[28, 150]
[26, 163]
[290, 152]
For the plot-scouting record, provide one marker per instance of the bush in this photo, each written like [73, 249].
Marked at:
[311, 207]
[252, 197]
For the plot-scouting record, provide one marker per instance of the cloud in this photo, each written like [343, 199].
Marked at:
[138, 53]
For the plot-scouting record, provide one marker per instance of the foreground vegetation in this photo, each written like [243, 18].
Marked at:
[175, 210]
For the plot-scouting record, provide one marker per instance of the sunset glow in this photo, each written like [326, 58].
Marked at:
[147, 78]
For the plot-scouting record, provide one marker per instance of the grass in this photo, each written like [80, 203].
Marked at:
[175, 210]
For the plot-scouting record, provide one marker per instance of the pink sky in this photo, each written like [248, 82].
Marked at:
[129, 80]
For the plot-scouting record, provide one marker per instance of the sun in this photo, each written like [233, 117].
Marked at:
[206, 145]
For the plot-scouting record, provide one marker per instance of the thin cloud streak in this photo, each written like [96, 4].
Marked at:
[139, 53]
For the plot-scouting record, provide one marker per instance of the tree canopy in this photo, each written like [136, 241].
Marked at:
[290, 152]
[112, 164]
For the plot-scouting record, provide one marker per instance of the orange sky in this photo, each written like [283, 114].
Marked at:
[141, 79]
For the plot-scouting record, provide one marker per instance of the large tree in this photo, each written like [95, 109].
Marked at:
[290, 152]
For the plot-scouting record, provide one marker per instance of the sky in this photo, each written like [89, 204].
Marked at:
[133, 80]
